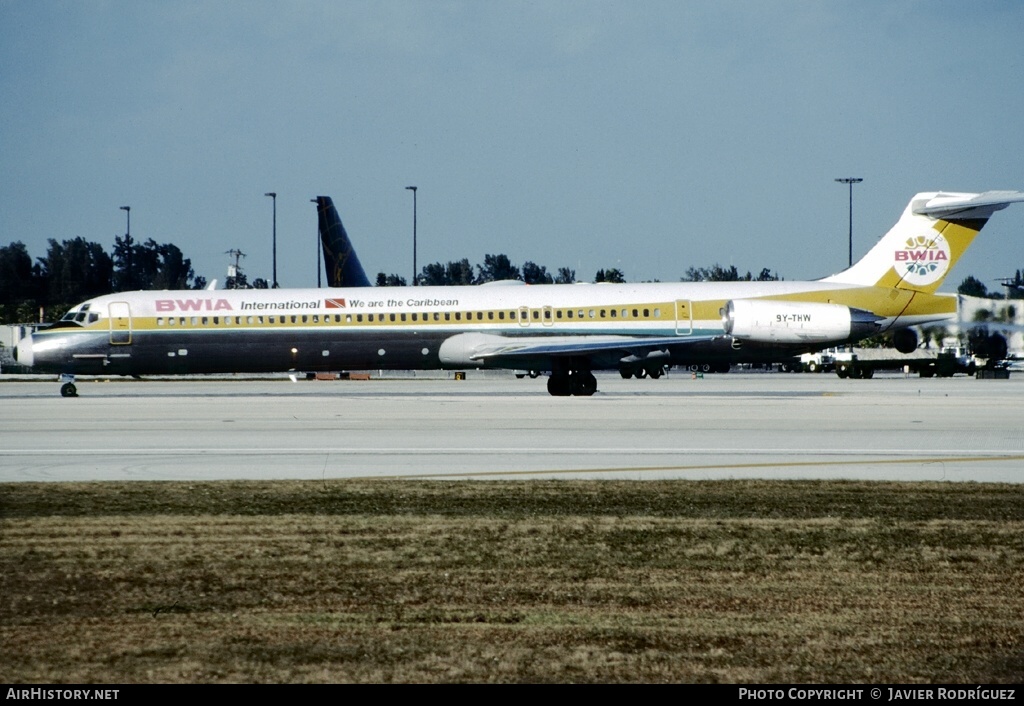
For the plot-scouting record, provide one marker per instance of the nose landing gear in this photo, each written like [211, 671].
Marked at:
[68, 389]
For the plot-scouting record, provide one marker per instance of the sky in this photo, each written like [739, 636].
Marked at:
[647, 136]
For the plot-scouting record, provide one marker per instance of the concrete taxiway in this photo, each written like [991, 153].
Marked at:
[498, 427]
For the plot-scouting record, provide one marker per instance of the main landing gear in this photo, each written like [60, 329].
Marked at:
[572, 377]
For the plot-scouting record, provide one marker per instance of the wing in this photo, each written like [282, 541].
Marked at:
[492, 350]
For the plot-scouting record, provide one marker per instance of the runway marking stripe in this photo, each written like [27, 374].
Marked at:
[713, 467]
[491, 451]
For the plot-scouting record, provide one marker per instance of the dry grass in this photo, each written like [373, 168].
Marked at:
[366, 581]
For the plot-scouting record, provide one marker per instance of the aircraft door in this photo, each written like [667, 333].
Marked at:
[120, 324]
[524, 316]
[684, 317]
[548, 316]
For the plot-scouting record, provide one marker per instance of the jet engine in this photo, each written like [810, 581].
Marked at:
[769, 321]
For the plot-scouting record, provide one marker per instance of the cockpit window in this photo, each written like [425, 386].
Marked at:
[77, 316]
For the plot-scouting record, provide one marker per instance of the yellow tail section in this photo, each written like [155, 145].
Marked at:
[930, 237]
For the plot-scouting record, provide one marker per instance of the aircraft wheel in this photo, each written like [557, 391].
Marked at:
[641, 373]
[534, 374]
[626, 374]
[705, 368]
[656, 373]
[559, 385]
[586, 385]
[868, 373]
[68, 389]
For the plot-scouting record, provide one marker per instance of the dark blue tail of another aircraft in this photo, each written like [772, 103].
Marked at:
[340, 261]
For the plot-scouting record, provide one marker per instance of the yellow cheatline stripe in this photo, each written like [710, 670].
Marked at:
[711, 467]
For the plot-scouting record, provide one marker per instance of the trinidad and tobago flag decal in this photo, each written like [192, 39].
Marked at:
[334, 303]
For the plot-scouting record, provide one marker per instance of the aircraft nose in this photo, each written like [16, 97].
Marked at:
[23, 351]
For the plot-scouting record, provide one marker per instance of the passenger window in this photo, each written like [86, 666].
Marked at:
[248, 320]
[614, 313]
[647, 313]
[159, 321]
[490, 315]
[359, 318]
[206, 321]
[501, 316]
[403, 317]
[657, 313]
[591, 313]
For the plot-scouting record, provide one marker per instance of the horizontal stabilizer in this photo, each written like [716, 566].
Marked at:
[958, 206]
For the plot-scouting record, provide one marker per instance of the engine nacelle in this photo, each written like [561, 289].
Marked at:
[769, 321]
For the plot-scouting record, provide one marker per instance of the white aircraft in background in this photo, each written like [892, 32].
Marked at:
[569, 331]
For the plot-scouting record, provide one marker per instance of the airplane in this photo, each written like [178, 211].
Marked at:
[340, 260]
[566, 330]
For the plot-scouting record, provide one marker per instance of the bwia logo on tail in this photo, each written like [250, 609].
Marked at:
[936, 228]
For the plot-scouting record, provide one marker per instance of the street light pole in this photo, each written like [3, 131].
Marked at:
[317, 251]
[414, 270]
[851, 181]
[273, 196]
[130, 279]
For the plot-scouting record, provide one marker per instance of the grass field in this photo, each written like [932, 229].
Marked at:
[606, 581]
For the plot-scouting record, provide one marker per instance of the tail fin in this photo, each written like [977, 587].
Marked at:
[342, 266]
[934, 231]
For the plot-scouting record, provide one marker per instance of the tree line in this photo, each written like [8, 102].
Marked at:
[498, 267]
[974, 287]
[75, 270]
